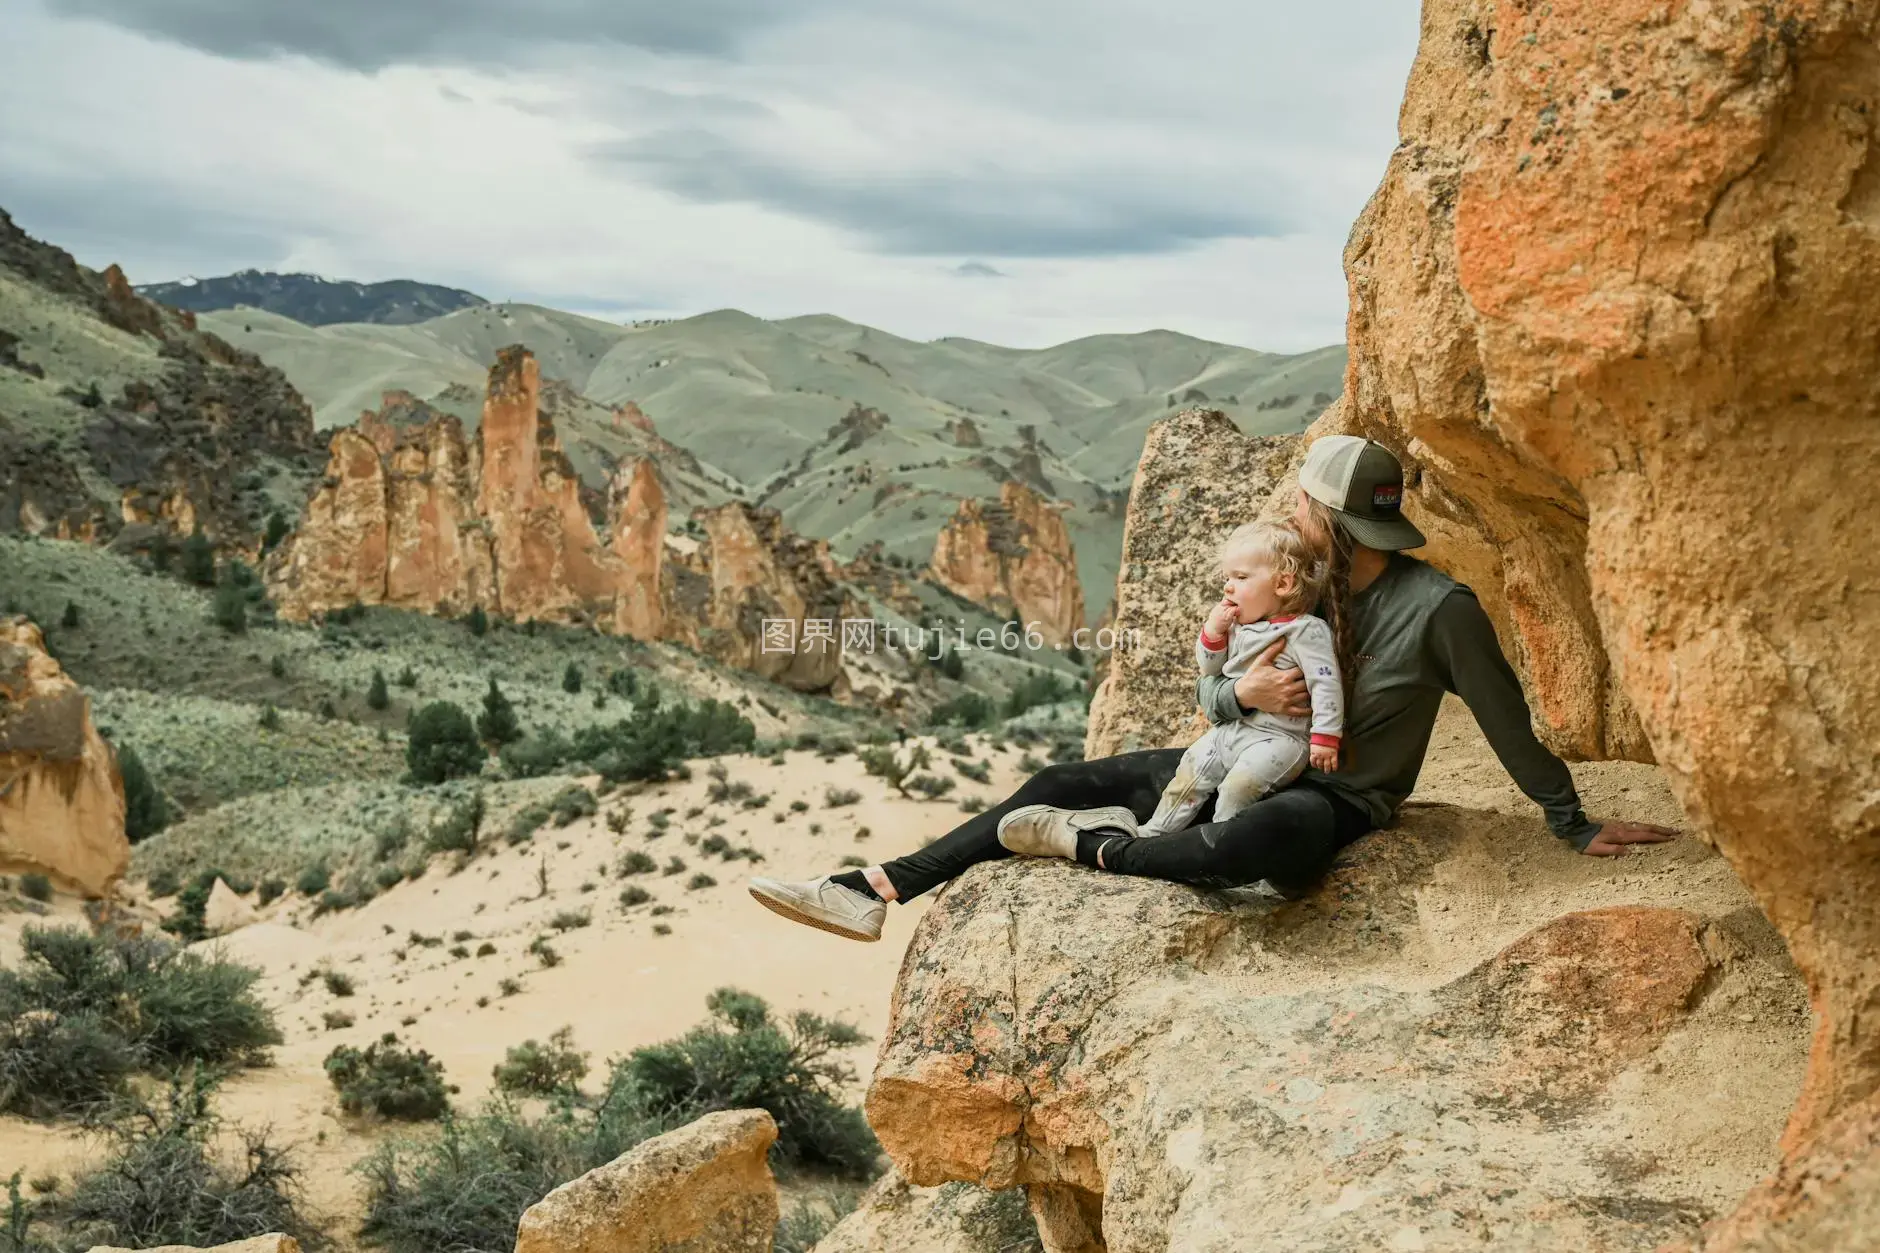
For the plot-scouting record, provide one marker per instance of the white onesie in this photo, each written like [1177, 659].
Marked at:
[1262, 752]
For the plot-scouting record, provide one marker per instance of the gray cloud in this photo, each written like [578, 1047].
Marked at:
[372, 34]
[977, 269]
[987, 211]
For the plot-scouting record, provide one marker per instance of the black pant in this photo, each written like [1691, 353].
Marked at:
[1289, 838]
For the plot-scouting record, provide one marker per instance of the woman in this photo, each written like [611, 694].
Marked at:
[1405, 632]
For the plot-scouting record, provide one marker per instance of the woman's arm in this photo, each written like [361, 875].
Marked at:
[1466, 651]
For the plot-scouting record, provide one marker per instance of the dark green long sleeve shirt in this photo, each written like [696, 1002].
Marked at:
[1419, 634]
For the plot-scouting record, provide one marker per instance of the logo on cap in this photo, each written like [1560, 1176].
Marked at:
[1387, 496]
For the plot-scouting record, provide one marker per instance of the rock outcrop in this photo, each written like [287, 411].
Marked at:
[1013, 556]
[61, 798]
[1612, 303]
[191, 433]
[225, 910]
[1199, 479]
[704, 1188]
[1163, 1068]
[414, 515]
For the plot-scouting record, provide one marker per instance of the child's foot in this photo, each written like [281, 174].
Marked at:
[822, 904]
[1050, 831]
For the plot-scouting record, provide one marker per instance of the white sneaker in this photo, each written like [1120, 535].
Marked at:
[824, 905]
[1048, 831]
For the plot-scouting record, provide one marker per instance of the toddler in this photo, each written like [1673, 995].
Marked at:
[1271, 577]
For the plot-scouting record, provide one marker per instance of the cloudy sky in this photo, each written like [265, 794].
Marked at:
[1020, 171]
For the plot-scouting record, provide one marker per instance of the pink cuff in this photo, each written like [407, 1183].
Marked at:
[1211, 644]
[878, 880]
[1320, 740]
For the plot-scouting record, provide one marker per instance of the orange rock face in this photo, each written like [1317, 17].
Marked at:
[1013, 557]
[62, 803]
[1613, 304]
[413, 515]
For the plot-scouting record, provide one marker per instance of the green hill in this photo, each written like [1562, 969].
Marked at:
[765, 406]
[314, 300]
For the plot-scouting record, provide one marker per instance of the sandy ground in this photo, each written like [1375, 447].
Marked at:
[619, 985]
[1712, 1101]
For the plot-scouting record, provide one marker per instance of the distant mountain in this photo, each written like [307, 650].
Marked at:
[855, 435]
[315, 301]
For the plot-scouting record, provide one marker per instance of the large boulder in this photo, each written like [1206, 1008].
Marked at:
[1425, 1053]
[1613, 304]
[275, 1243]
[1013, 556]
[1825, 1199]
[704, 1188]
[1198, 479]
[894, 1216]
[61, 797]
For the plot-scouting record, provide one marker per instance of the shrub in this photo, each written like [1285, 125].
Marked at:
[571, 679]
[636, 862]
[269, 890]
[276, 532]
[536, 754]
[885, 763]
[442, 744]
[968, 709]
[570, 920]
[336, 1019]
[389, 1080]
[145, 810]
[700, 880]
[655, 740]
[952, 665]
[839, 797]
[458, 828]
[467, 1188]
[674, 865]
[229, 608]
[497, 723]
[82, 1012]
[1037, 688]
[35, 886]
[270, 717]
[932, 787]
[338, 982]
[544, 952]
[743, 1060]
[633, 894]
[977, 771]
[407, 678]
[278, 667]
[313, 880]
[477, 621]
[161, 1182]
[197, 564]
[69, 618]
[526, 823]
[536, 1069]
[378, 695]
[573, 801]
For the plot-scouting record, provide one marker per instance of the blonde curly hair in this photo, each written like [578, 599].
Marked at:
[1282, 549]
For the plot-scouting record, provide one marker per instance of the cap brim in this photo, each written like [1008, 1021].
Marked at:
[1386, 534]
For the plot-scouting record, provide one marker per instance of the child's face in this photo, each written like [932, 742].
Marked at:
[1253, 588]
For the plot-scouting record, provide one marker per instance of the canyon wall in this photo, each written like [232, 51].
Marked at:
[1013, 556]
[1613, 305]
[414, 515]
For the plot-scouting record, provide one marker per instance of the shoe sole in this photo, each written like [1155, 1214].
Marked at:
[786, 910]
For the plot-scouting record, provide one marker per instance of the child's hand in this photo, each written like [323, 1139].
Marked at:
[1221, 619]
[1323, 757]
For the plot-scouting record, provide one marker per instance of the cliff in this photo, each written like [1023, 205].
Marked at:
[123, 419]
[1013, 556]
[61, 798]
[415, 515]
[1468, 1037]
[1611, 302]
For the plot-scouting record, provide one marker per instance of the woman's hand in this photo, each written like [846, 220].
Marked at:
[1271, 690]
[1613, 837]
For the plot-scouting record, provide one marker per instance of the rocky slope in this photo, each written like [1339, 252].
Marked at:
[1468, 1037]
[61, 799]
[314, 300]
[1015, 557]
[118, 417]
[1611, 301]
